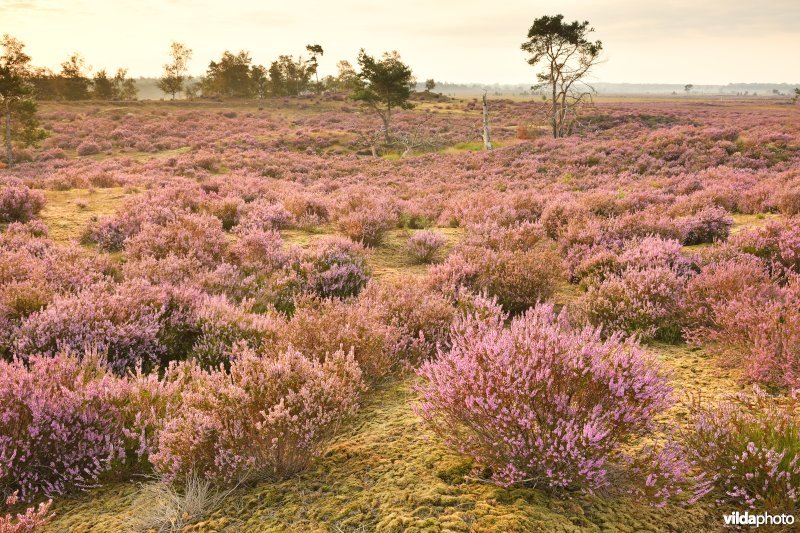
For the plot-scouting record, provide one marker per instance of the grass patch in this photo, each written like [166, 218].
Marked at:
[68, 212]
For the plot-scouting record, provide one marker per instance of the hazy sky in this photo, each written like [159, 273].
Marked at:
[677, 41]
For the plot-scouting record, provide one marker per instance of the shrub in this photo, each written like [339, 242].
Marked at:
[539, 402]
[319, 328]
[18, 203]
[517, 265]
[31, 520]
[65, 421]
[88, 148]
[645, 302]
[267, 418]
[422, 316]
[258, 251]
[424, 245]
[776, 243]
[368, 223]
[134, 324]
[747, 449]
[263, 216]
[759, 330]
[223, 325]
[196, 236]
[333, 267]
[709, 225]
[718, 283]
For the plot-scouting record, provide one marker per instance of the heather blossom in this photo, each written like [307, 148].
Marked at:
[540, 402]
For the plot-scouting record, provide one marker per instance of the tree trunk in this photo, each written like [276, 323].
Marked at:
[385, 119]
[487, 141]
[555, 102]
[9, 151]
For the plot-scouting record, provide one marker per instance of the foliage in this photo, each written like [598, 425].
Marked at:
[538, 402]
[385, 84]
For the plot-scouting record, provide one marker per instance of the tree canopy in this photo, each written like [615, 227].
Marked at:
[385, 84]
[567, 55]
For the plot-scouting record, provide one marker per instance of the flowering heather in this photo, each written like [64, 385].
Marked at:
[368, 223]
[131, 322]
[423, 246]
[62, 423]
[711, 224]
[31, 520]
[645, 302]
[333, 267]
[747, 451]
[759, 330]
[539, 402]
[267, 418]
[263, 216]
[196, 236]
[777, 243]
[517, 265]
[18, 203]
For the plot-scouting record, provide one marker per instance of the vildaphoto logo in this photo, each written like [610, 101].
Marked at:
[764, 519]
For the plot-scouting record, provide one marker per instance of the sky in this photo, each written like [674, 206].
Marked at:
[667, 41]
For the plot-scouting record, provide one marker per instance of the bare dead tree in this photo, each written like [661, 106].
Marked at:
[487, 141]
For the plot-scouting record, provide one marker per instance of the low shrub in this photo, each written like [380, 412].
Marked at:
[33, 519]
[747, 450]
[267, 418]
[66, 421]
[423, 246]
[517, 265]
[18, 203]
[644, 302]
[539, 402]
[710, 224]
[776, 243]
[88, 148]
[263, 216]
[759, 331]
[197, 236]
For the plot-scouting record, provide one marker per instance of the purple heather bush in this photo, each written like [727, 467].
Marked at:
[710, 224]
[263, 216]
[423, 246]
[539, 402]
[746, 450]
[644, 302]
[18, 203]
[33, 519]
[518, 265]
[66, 421]
[776, 243]
[197, 236]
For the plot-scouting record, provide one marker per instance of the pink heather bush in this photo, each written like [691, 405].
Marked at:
[423, 317]
[223, 325]
[258, 251]
[332, 267]
[65, 422]
[711, 224]
[88, 148]
[517, 265]
[539, 402]
[263, 216]
[645, 302]
[18, 203]
[777, 243]
[31, 520]
[197, 236]
[423, 246]
[759, 330]
[268, 418]
[134, 324]
[719, 282]
[747, 450]
[368, 221]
